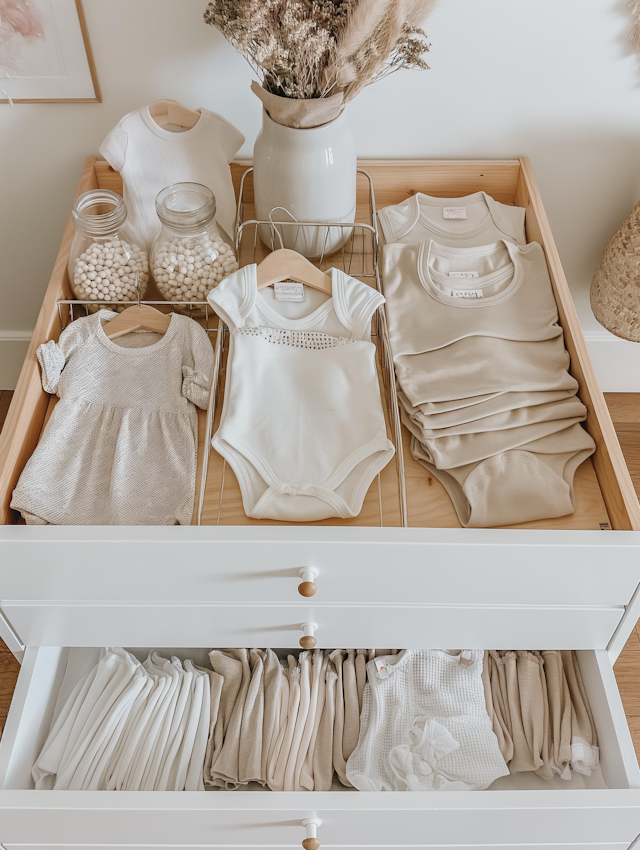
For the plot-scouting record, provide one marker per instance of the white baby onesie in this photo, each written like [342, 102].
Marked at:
[472, 220]
[302, 424]
[424, 726]
[150, 158]
[120, 447]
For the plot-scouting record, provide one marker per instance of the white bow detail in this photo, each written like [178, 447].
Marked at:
[415, 765]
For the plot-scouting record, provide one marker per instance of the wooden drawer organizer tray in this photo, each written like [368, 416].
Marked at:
[605, 497]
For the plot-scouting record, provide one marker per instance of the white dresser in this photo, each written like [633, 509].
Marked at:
[569, 583]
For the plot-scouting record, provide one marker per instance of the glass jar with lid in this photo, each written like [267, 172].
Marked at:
[191, 254]
[106, 263]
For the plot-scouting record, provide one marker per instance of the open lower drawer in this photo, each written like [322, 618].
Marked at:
[601, 811]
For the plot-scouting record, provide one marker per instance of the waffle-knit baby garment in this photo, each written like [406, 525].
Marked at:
[302, 423]
[424, 726]
[471, 220]
[121, 445]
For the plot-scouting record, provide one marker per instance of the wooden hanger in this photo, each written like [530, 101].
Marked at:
[285, 264]
[171, 112]
[138, 317]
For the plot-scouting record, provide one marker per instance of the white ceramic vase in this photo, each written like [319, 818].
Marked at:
[309, 173]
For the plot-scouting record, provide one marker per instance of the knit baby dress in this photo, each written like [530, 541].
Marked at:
[121, 445]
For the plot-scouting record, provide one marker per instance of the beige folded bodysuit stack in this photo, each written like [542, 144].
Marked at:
[482, 372]
[540, 712]
[287, 725]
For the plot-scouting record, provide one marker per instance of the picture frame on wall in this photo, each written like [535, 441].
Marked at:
[45, 53]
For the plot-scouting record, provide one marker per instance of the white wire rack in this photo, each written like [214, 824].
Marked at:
[358, 257]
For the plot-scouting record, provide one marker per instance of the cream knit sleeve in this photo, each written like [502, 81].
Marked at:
[197, 365]
[53, 356]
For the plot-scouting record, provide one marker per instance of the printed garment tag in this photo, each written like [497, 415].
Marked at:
[381, 668]
[466, 293]
[454, 212]
[289, 291]
[469, 275]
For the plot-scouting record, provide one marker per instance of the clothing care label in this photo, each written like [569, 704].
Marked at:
[468, 275]
[381, 668]
[467, 293]
[454, 212]
[289, 291]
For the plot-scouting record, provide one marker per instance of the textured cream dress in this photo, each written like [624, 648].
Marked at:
[121, 445]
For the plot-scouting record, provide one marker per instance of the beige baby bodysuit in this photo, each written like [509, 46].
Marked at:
[491, 332]
[471, 220]
[534, 481]
[480, 324]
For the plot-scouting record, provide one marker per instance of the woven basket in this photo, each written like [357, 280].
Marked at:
[615, 289]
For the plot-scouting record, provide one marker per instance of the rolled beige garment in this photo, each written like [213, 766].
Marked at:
[225, 769]
[585, 754]
[317, 659]
[292, 715]
[306, 777]
[351, 706]
[361, 674]
[525, 709]
[230, 668]
[279, 733]
[500, 694]
[339, 763]
[303, 710]
[323, 753]
[559, 713]
[499, 729]
[270, 723]
[546, 770]
[250, 753]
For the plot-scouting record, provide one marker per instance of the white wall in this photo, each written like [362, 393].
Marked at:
[552, 79]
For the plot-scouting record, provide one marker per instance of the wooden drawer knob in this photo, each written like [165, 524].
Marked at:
[308, 641]
[307, 587]
[311, 841]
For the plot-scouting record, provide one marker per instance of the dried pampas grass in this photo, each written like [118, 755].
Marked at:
[381, 37]
[307, 49]
[634, 37]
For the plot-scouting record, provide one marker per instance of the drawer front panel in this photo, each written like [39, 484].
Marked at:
[201, 624]
[597, 846]
[261, 823]
[354, 565]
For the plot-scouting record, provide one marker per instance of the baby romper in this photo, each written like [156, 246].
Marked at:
[425, 726]
[121, 445]
[472, 220]
[302, 423]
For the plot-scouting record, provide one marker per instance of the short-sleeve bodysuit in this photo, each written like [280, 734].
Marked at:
[302, 424]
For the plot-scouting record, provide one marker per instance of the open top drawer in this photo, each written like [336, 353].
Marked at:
[600, 811]
[580, 572]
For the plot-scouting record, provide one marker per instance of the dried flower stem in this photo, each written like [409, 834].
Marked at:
[313, 48]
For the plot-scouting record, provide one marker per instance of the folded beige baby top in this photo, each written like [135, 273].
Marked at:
[470, 220]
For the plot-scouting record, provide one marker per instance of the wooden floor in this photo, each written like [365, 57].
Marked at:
[8, 665]
[625, 412]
